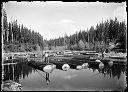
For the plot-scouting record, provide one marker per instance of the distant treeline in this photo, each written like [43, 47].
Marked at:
[17, 37]
[94, 38]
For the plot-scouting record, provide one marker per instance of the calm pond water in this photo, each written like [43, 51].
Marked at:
[91, 78]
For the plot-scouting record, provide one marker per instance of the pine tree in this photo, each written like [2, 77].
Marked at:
[5, 28]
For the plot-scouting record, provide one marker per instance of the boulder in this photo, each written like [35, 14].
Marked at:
[79, 67]
[65, 67]
[48, 68]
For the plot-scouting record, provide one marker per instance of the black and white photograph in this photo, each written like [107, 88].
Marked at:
[63, 46]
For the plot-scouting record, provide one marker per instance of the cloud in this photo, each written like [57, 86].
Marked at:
[59, 28]
[54, 19]
[121, 13]
[67, 21]
[68, 26]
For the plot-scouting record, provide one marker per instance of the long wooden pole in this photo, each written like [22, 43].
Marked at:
[2, 50]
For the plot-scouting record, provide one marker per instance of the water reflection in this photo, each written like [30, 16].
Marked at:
[22, 70]
[47, 78]
[16, 72]
[112, 71]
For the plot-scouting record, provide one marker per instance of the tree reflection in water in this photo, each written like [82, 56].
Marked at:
[113, 71]
[22, 70]
[17, 71]
[47, 76]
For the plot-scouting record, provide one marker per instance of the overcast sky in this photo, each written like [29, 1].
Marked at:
[54, 19]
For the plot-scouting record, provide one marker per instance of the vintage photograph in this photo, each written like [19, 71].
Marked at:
[63, 46]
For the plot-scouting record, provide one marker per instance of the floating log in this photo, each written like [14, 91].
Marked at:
[38, 65]
[9, 64]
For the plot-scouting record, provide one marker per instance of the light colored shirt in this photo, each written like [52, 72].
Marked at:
[46, 55]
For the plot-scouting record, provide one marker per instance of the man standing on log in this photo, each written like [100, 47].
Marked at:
[46, 57]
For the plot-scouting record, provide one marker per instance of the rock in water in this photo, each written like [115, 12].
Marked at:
[48, 68]
[110, 63]
[79, 67]
[98, 60]
[85, 65]
[54, 66]
[65, 67]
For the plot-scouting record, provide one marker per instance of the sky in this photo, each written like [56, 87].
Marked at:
[52, 19]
